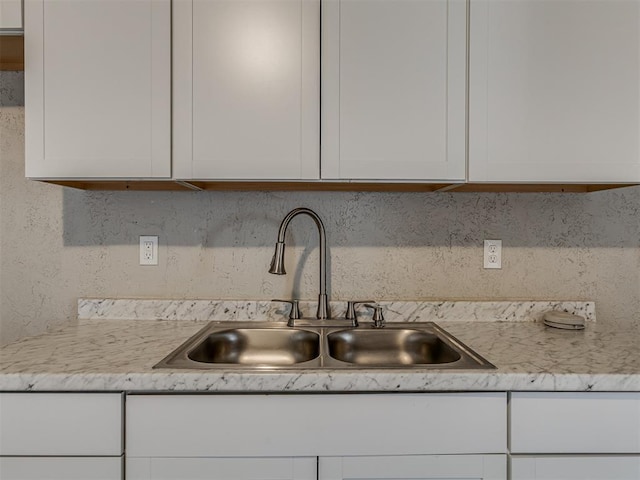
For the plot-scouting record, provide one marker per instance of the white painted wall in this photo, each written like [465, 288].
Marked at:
[57, 244]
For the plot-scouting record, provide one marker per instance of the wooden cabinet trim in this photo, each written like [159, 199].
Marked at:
[11, 53]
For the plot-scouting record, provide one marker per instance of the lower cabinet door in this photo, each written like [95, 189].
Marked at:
[238, 468]
[429, 467]
[60, 468]
[595, 467]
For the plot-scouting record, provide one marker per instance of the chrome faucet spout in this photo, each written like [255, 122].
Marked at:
[277, 263]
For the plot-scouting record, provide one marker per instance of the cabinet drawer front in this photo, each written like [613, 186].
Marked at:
[60, 468]
[575, 422]
[575, 468]
[414, 467]
[301, 468]
[60, 424]
[315, 425]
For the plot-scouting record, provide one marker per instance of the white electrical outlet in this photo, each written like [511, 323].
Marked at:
[148, 250]
[493, 254]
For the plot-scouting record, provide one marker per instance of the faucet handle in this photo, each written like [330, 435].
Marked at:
[378, 317]
[294, 313]
[351, 313]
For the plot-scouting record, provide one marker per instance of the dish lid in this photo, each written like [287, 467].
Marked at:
[564, 320]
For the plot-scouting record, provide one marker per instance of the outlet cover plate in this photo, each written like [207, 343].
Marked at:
[493, 254]
[148, 250]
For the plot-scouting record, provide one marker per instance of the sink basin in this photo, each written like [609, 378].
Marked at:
[257, 346]
[390, 347]
[319, 345]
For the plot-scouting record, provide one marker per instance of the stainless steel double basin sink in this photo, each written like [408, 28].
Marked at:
[271, 345]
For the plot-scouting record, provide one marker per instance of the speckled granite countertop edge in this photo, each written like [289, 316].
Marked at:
[101, 355]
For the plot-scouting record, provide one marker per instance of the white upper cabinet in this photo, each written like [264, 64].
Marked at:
[10, 15]
[97, 88]
[394, 89]
[554, 91]
[246, 89]
[495, 91]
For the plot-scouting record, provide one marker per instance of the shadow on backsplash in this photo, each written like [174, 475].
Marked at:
[12, 89]
[608, 219]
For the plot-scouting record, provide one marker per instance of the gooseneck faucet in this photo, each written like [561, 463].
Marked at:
[277, 263]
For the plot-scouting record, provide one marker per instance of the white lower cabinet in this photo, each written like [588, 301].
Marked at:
[280, 468]
[415, 467]
[358, 436]
[60, 468]
[61, 436]
[575, 423]
[580, 435]
[428, 467]
[575, 468]
[61, 424]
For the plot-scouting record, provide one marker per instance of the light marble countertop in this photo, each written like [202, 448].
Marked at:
[118, 355]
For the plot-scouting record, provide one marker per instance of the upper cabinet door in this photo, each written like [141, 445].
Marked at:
[10, 15]
[246, 89]
[554, 91]
[394, 89]
[97, 88]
